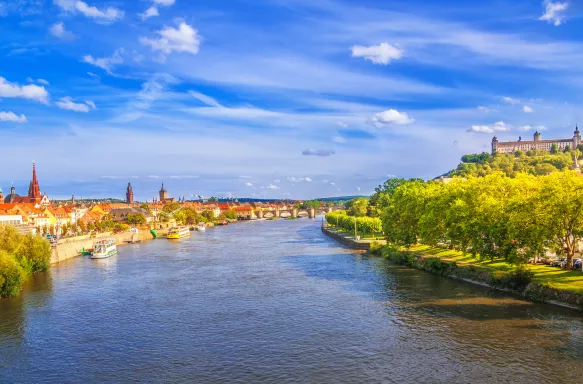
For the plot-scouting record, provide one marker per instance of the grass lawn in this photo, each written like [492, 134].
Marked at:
[555, 277]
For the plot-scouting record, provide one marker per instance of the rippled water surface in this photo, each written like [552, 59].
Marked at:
[274, 301]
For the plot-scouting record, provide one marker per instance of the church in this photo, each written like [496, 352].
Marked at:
[34, 195]
[536, 143]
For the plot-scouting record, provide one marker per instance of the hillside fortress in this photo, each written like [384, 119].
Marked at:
[537, 143]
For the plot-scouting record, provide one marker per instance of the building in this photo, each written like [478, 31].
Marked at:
[130, 194]
[164, 199]
[536, 143]
[34, 195]
[1, 196]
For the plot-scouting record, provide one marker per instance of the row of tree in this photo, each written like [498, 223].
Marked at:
[364, 226]
[496, 216]
[20, 256]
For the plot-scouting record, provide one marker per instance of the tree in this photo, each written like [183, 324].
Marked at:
[64, 229]
[213, 199]
[145, 207]
[137, 218]
[567, 149]
[209, 215]
[358, 207]
[82, 226]
[554, 148]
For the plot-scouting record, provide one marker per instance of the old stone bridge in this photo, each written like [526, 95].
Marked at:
[267, 213]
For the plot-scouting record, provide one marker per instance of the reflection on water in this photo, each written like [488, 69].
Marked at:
[274, 301]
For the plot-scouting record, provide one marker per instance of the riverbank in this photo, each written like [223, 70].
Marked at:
[536, 283]
[74, 247]
[350, 241]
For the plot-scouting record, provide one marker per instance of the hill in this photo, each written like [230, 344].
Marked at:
[532, 162]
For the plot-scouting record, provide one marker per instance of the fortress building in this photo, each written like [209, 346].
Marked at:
[536, 143]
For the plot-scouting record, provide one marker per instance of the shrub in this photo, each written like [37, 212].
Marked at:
[376, 248]
[439, 267]
[33, 254]
[516, 280]
[12, 276]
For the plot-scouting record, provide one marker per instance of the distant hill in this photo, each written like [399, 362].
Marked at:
[339, 198]
[532, 162]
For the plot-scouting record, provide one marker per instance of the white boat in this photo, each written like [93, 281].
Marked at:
[103, 249]
[178, 232]
[201, 227]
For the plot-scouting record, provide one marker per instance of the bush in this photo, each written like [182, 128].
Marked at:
[376, 248]
[34, 254]
[12, 276]
[439, 267]
[516, 280]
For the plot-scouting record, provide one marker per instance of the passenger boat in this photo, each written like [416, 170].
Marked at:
[103, 249]
[178, 233]
[201, 227]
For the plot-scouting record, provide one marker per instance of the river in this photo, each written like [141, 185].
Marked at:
[274, 301]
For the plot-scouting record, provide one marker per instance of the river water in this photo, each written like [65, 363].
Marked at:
[274, 301]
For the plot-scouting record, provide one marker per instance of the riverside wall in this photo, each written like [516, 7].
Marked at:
[350, 241]
[69, 248]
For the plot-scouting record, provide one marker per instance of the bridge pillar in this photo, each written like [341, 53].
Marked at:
[295, 213]
[277, 213]
[260, 213]
[312, 213]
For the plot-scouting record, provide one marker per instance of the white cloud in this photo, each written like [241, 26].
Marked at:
[358, 189]
[342, 124]
[150, 12]
[318, 152]
[533, 128]
[249, 185]
[272, 186]
[277, 181]
[389, 117]
[107, 15]
[298, 179]
[339, 139]
[93, 75]
[59, 30]
[378, 54]
[30, 92]
[12, 117]
[42, 81]
[498, 126]
[510, 100]
[183, 39]
[486, 109]
[68, 104]
[205, 99]
[554, 12]
[166, 3]
[527, 109]
[106, 63]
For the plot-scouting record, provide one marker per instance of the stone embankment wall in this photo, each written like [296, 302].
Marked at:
[350, 241]
[69, 248]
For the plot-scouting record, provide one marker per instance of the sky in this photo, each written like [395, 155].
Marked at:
[275, 98]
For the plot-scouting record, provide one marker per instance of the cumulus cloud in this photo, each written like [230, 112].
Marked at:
[486, 109]
[67, 103]
[318, 152]
[272, 186]
[390, 117]
[378, 54]
[510, 100]
[554, 12]
[106, 63]
[106, 15]
[249, 185]
[498, 126]
[12, 117]
[166, 3]
[59, 30]
[339, 139]
[182, 39]
[30, 92]
[527, 109]
[150, 12]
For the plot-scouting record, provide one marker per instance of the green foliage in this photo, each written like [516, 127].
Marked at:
[33, 254]
[365, 226]
[230, 214]
[145, 207]
[137, 218]
[311, 204]
[120, 227]
[516, 280]
[534, 163]
[12, 276]
[357, 207]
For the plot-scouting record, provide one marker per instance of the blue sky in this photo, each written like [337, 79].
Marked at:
[275, 98]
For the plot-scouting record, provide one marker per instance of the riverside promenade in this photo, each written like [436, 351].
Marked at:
[349, 240]
[72, 247]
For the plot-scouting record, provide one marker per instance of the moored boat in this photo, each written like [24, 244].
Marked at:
[178, 233]
[201, 227]
[103, 249]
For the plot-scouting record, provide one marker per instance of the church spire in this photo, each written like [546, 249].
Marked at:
[34, 190]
